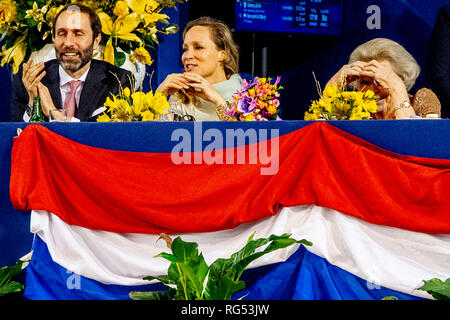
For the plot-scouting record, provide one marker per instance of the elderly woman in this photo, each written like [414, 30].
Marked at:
[210, 59]
[386, 68]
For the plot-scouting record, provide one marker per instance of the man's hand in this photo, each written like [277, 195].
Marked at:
[32, 75]
[46, 99]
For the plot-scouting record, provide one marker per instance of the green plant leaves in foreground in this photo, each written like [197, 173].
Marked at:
[190, 278]
[8, 273]
[437, 288]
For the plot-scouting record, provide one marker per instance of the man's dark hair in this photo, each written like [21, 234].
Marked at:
[96, 24]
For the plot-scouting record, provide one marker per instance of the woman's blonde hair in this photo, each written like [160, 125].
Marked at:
[402, 62]
[222, 37]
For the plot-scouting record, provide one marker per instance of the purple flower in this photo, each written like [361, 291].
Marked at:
[246, 105]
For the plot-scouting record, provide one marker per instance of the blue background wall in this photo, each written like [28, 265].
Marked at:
[294, 57]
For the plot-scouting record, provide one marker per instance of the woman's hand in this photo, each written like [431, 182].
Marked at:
[347, 74]
[391, 86]
[173, 83]
[32, 75]
[200, 87]
[385, 77]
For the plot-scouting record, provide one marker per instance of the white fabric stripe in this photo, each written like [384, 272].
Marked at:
[384, 256]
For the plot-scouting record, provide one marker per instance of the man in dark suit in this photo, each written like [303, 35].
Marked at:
[73, 81]
[440, 59]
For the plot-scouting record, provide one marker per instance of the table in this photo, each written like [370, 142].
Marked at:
[422, 138]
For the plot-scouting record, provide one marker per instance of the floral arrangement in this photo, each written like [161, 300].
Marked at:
[134, 106]
[337, 104]
[257, 101]
[131, 25]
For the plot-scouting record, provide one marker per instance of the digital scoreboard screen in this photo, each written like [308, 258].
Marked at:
[290, 16]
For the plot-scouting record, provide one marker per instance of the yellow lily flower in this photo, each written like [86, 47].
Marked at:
[121, 28]
[51, 15]
[16, 53]
[121, 8]
[37, 14]
[7, 12]
[147, 10]
[154, 17]
[141, 55]
[147, 6]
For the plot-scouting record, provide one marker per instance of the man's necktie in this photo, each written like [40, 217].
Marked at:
[70, 103]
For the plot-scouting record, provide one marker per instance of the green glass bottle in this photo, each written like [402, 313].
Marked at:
[37, 115]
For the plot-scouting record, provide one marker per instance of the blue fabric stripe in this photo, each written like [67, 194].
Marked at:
[304, 276]
[46, 280]
[422, 138]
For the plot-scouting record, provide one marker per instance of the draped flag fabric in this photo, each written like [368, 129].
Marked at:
[378, 220]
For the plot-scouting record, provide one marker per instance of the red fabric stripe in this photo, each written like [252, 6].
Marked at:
[146, 192]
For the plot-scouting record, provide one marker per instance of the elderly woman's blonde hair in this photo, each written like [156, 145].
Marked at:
[402, 62]
[223, 38]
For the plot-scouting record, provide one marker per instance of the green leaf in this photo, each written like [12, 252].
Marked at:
[222, 288]
[191, 265]
[438, 289]
[10, 288]
[224, 272]
[7, 273]
[173, 273]
[284, 243]
[151, 295]
[221, 268]
[194, 272]
[390, 298]
[247, 254]
[31, 22]
[188, 269]
[170, 29]
[164, 279]
[167, 256]
[184, 250]
[119, 58]
[183, 290]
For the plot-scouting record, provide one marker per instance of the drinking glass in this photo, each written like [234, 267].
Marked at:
[57, 115]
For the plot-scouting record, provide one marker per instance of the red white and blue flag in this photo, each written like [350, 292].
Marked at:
[378, 220]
